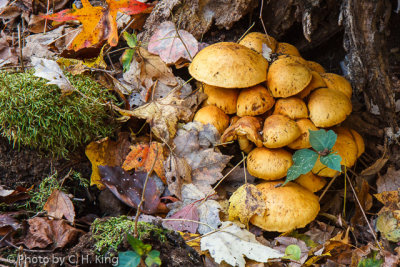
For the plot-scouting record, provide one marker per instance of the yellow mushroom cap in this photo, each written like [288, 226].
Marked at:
[311, 182]
[223, 98]
[287, 49]
[287, 77]
[314, 66]
[296, 59]
[254, 101]
[316, 82]
[346, 148]
[269, 164]
[279, 131]
[229, 65]
[245, 126]
[288, 207]
[255, 40]
[303, 141]
[293, 107]
[328, 107]
[212, 115]
[337, 82]
[359, 142]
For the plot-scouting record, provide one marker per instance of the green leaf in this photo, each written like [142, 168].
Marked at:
[332, 161]
[371, 261]
[128, 259]
[153, 258]
[131, 39]
[304, 161]
[292, 252]
[321, 140]
[126, 59]
[138, 245]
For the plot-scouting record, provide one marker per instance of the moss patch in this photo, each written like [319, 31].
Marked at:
[34, 114]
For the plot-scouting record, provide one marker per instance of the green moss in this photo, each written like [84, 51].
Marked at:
[34, 114]
[40, 194]
[108, 234]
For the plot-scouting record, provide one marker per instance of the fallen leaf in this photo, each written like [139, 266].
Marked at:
[177, 172]
[129, 187]
[98, 23]
[8, 54]
[192, 240]
[106, 152]
[320, 232]
[172, 44]
[375, 167]
[11, 196]
[8, 223]
[59, 205]
[231, 243]
[188, 212]
[389, 181]
[76, 66]
[391, 200]
[142, 157]
[38, 45]
[245, 202]
[163, 114]
[44, 232]
[365, 199]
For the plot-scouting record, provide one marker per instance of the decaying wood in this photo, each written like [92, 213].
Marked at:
[365, 23]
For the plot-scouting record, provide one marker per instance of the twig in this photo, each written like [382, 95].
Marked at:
[143, 191]
[20, 47]
[47, 12]
[244, 34]
[363, 213]
[244, 168]
[262, 21]
[28, 250]
[329, 185]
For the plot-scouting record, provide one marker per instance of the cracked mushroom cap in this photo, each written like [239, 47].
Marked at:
[287, 49]
[337, 82]
[346, 147]
[311, 181]
[279, 131]
[292, 107]
[229, 65]
[288, 207]
[269, 164]
[316, 82]
[303, 141]
[212, 115]
[255, 40]
[223, 98]
[314, 66]
[254, 101]
[287, 77]
[328, 107]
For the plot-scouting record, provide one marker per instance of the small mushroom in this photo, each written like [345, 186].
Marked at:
[288, 207]
[229, 65]
[293, 107]
[269, 164]
[328, 107]
[212, 115]
[279, 131]
[314, 66]
[255, 40]
[245, 130]
[254, 101]
[303, 141]
[223, 98]
[316, 83]
[287, 49]
[337, 82]
[311, 182]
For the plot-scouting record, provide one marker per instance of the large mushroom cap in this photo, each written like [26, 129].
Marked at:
[287, 49]
[316, 82]
[328, 107]
[212, 115]
[359, 142]
[269, 164]
[315, 66]
[229, 65]
[303, 141]
[255, 40]
[254, 101]
[293, 107]
[288, 207]
[311, 182]
[279, 131]
[223, 98]
[337, 82]
[287, 77]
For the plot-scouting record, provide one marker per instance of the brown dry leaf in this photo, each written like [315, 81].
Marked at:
[164, 114]
[177, 172]
[365, 199]
[187, 219]
[285, 241]
[59, 205]
[245, 202]
[106, 152]
[38, 45]
[375, 167]
[389, 181]
[11, 196]
[8, 54]
[8, 223]
[44, 232]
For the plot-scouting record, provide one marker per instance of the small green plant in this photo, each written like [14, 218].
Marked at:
[140, 251]
[304, 160]
[371, 261]
[129, 53]
[33, 114]
[40, 194]
[292, 252]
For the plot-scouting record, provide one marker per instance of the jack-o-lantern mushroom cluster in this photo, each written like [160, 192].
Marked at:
[273, 105]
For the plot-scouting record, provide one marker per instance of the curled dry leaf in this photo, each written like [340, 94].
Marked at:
[11, 196]
[59, 205]
[173, 44]
[245, 202]
[177, 172]
[245, 126]
[8, 223]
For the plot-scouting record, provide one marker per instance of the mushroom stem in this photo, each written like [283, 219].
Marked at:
[245, 145]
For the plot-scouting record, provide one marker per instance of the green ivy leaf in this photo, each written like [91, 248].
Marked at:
[138, 245]
[131, 39]
[126, 59]
[332, 161]
[153, 258]
[322, 140]
[304, 161]
[128, 259]
[292, 252]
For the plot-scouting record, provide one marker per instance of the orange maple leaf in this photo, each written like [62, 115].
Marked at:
[142, 158]
[98, 23]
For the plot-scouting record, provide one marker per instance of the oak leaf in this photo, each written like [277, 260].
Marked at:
[59, 205]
